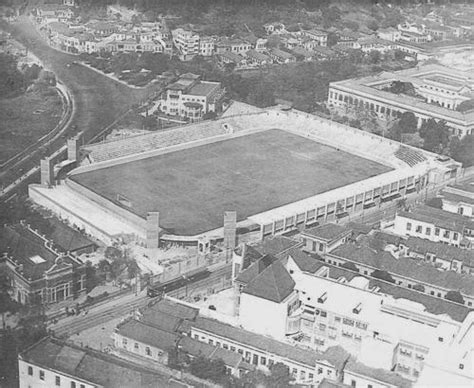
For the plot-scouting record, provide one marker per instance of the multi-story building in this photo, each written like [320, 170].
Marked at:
[206, 46]
[323, 239]
[390, 33]
[459, 198]
[192, 98]
[55, 363]
[319, 36]
[438, 92]
[235, 46]
[325, 309]
[187, 43]
[435, 225]
[38, 270]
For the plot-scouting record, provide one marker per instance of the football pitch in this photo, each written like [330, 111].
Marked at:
[192, 188]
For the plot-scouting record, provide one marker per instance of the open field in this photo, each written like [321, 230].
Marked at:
[193, 188]
[26, 118]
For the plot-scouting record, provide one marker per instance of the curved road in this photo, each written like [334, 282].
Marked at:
[98, 100]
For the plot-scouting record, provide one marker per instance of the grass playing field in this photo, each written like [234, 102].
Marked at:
[192, 188]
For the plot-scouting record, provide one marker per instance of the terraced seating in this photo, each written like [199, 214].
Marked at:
[410, 156]
[153, 141]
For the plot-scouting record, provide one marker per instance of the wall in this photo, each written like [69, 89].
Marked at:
[34, 381]
[253, 308]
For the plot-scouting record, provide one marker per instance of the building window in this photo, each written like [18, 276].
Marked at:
[419, 229]
[82, 386]
[455, 236]
[136, 346]
[446, 234]
[436, 231]
[148, 351]
[263, 360]
[311, 376]
[211, 342]
[461, 366]
[428, 231]
[124, 342]
[30, 370]
[321, 247]
[73, 384]
[353, 383]
[41, 374]
[58, 381]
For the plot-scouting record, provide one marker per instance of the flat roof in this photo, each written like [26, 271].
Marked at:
[203, 88]
[249, 174]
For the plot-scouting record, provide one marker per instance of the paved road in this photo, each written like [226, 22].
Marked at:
[121, 307]
[98, 100]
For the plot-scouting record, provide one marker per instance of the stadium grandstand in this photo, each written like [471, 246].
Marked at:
[278, 170]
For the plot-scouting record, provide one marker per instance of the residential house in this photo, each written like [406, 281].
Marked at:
[233, 45]
[228, 57]
[440, 255]
[391, 34]
[280, 56]
[256, 58]
[274, 28]
[186, 42]
[317, 35]
[206, 46]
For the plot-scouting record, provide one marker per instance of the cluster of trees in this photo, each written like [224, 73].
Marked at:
[117, 262]
[14, 81]
[215, 371]
[30, 329]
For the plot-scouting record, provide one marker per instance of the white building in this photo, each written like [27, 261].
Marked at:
[435, 225]
[459, 198]
[192, 98]
[187, 43]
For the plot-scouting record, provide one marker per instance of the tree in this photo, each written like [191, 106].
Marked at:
[350, 266]
[462, 150]
[213, 370]
[374, 57]
[262, 94]
[408, 122]
[419, 287]
[435, 202]
[435, 135]
[465, 106]
[454, 296]
[383, 275]
[6, 302]
[373, 25]
[280, 376]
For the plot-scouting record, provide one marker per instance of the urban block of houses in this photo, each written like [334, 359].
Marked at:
[192, 98]
[38, 269]
[459, 198]
[56, 363]
[405, 271]
[311, 304]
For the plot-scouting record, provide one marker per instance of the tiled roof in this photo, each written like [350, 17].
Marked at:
[255, 269]
[359, 228]
[275, 245]
[91, 366]
[335, 357]
[377, 374]
[413, 269]
[147, 334]
[232, 56]
[305, 261]
[281, 54]
[457, 198]
[169, 307]
[204, 88]
[439, 218]
[161, 321]
[442, 251]
[327, 232]
[22, 245]
[274, 283]
[66, 238]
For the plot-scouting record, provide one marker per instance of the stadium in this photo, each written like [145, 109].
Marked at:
[277, 170]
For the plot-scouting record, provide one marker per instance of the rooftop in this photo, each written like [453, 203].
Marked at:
[274, 283]
[432, 305]
[381, 375]
[66, 238]
[335, 356]
[178, 310]
[406, 267]
[442, 251]
[305, 261]
[91, 366]
[327, 232]
[440, 218]
[147, 334]
[29, 250]
[256, 267]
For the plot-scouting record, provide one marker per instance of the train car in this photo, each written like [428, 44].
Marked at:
[160, 289]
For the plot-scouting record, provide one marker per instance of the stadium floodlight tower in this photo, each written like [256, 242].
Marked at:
[73, 148]
[47, 172]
